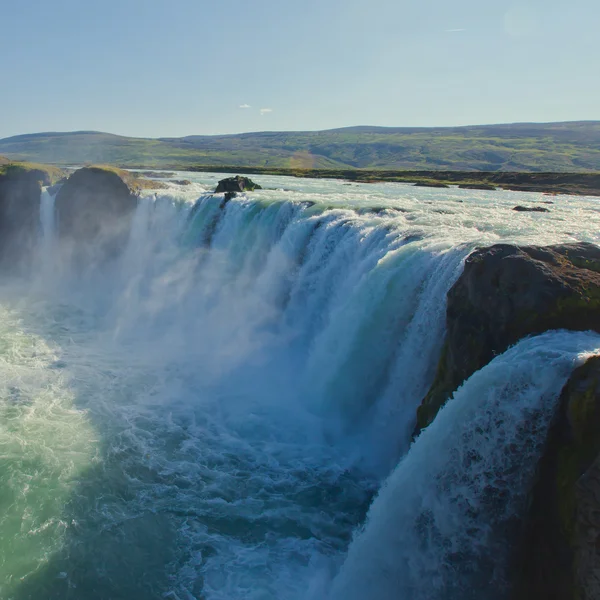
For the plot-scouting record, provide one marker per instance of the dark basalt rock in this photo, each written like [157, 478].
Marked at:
[432, 184]
[530, 209]
[20, 193]
[95, 208]
[505, 293]
[559, 557]
[236, 184]
[477, 186]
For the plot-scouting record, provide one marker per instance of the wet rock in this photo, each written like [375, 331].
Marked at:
[236, 184]
[530, 209]
[505, 293]
[20, 194]
[559, 557]
[432, 184]
[306, 203]
[477, 186]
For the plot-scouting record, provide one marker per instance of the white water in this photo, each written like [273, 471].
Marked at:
[442, 523]
[210, 416]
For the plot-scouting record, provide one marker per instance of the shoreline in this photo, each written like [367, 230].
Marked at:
[579, 184]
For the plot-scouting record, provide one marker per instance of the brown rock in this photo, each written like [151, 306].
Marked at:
[504, 294]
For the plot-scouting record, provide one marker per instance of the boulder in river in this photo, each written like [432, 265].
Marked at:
[431, 184]
[505, 293]
[236, 184]
[477, 186]
[531, 209]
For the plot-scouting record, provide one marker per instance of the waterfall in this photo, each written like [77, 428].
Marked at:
[240, 382]
[351, 307]
[47, 215]
[442, 524]
[48, 231]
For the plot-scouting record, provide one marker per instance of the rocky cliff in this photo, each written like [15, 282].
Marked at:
[504, 294]
[20, 193]
[95, 209]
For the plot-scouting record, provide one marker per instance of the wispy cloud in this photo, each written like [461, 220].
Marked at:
[454, 30]
[264, 111]
[245, 106]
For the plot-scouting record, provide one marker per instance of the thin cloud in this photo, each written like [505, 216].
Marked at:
[454, 30]
[245, 106]
[264, 111]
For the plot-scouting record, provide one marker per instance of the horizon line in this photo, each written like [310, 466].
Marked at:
[291, 131]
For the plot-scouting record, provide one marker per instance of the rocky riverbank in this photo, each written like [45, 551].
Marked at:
[584, 184]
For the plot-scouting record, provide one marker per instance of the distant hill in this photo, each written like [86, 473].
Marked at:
[569, 147]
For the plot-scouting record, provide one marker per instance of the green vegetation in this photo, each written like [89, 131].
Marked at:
[566, 147]
[48, 175]
[135, 181]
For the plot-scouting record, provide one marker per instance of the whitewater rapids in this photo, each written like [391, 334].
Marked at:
[212, 415]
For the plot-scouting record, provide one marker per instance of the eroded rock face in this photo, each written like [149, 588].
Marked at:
[95, 208]
[232, 185]
[504, 294]
[20, 193]
[560, 554]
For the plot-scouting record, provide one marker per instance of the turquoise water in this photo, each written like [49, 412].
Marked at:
[212, 415]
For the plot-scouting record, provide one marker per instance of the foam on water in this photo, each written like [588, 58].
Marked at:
[444, 520]
[210, 416]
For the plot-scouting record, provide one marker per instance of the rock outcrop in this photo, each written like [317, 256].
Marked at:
[95, 208]
[433, 184]
[504, 294]
[520, 208]
[20, 193]
[233, 185]
[560, 555]
[478, 186]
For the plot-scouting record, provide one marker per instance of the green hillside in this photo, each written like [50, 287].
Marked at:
[568, 147]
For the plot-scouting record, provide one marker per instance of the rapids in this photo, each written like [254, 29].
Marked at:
[212, 415]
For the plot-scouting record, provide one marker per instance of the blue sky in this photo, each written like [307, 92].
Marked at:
[170, 68]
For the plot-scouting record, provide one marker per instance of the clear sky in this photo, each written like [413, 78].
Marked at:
[177, 67]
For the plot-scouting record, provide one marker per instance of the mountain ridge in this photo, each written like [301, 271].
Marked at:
[535, 147]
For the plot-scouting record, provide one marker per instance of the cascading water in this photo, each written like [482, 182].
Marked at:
[48, 232]
[442, 523]
[210, 415]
